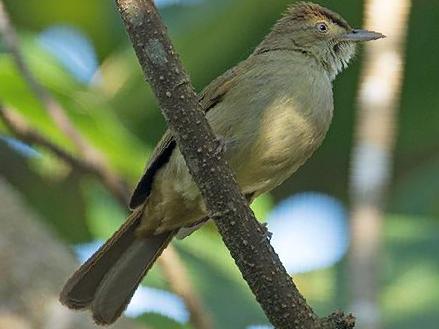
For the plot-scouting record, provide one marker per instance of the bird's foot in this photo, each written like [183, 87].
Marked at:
[222, 145]
[265, 231]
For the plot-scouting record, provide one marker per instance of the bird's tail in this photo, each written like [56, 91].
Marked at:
[106, 282]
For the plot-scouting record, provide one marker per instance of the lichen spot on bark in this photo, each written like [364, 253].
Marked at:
[135, 14]
[156, 52]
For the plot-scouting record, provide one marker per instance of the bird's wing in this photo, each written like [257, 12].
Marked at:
[209, 97]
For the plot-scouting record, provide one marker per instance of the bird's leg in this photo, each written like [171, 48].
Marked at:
[222, 145]
[263, 227]
[265, 231]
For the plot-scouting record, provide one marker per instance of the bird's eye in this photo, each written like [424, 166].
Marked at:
[322, 27]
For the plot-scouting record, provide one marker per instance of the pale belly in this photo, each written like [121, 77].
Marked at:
[266, 158]
[285, 141]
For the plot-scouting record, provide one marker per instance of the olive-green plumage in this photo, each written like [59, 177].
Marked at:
[272, 111]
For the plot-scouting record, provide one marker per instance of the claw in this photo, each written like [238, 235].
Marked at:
[222, 145]
[267, 234]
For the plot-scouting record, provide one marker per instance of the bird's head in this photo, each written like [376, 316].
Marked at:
[318, 32]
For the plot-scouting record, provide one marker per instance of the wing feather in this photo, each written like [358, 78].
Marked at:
[208, 99]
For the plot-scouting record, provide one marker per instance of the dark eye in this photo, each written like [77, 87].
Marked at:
[322, 27]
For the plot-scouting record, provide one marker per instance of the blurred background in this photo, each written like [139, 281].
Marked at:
[357, 226]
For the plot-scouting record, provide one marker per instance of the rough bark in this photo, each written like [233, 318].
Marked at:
[246, 240]
[34, 266]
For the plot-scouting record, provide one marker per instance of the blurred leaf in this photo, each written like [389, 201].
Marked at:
[411, 272]
[104, 214]
[423, 178]
[58, 202]
[120, 118]
[88, 110]
[219, 281]
[156, 321]
[262, 206]
[98, 19]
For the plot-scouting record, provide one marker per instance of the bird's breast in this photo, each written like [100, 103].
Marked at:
[279, 136]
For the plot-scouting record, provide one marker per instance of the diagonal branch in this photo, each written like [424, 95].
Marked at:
[56, 111]
[52, 106]
[178, 279]
[173, 268]
[17, 125]
[92, 162]
[244, 237]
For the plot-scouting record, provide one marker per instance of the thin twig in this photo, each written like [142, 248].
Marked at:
[56, 110]
[22, 132]
[18, 126]
[173, 268]
[246, 240]
[178, 279]
[52, 106]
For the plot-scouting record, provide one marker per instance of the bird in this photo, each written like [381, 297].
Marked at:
[272, 111]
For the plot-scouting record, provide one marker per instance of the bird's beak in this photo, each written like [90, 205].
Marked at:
[362, 35]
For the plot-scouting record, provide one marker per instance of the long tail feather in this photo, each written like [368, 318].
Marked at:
[119, 285]
[114, 272]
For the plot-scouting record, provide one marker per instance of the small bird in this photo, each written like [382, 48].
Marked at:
[272, 111]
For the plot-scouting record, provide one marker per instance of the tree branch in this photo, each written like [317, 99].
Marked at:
[244, 237]
[55, 109]
[173, 268]
[92, 162]
[178, 279]
[52, 106]
[17, 125]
